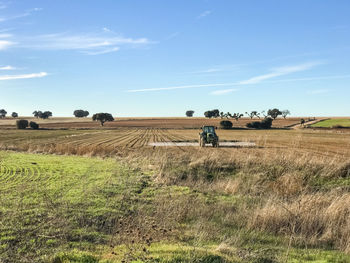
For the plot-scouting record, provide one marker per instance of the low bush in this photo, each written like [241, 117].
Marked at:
[21, 124]
[264, 124]
[225, 124]
[33, 125]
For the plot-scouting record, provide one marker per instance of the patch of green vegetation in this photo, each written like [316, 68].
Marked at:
[317, 256]
[332, 123]
[76, 209]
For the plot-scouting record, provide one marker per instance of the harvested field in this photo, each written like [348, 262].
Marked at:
[216, 201]
[163, 123]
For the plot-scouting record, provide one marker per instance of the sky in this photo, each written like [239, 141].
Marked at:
[161, 58]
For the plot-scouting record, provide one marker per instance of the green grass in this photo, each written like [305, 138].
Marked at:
[78, 209]
[332, 123]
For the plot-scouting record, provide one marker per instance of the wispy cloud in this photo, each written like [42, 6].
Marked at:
[184, 87]
[24, 76]
[7, 68]
[3, 5]
[5, 44]
[27, 13]
[280, 72]
[255, 80]
[173, 35]
[204, 14]
[90, 44]
[105, 51]
[222, 92]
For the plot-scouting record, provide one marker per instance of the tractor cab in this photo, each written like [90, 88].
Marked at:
[208, 136]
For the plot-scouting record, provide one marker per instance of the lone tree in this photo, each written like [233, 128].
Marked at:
[102, 117]
[274, 113]
[189, 113]
[14, 115]
[81, 113]
[285, 113]
[3, 113]
[36, 114]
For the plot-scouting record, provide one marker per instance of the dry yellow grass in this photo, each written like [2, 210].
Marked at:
[294, 183]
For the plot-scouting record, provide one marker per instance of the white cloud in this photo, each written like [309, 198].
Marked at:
[7, 68]
[4, 44]
[222, 92]
[94, 53]
[24, 76]
[27, 13]
[255, 80]
[280, 72]
[184, 87]
[204, 14]
[91, 44]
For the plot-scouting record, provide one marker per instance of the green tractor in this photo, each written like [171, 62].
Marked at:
[208, 136]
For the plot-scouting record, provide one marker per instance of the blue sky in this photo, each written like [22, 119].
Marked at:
[161, 58]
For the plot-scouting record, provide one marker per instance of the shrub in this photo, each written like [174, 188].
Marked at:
[264, 124]
[254, 125]
[34, 125]
[225, 124]
[22, 124]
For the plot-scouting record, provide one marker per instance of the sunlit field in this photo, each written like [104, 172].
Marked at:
[107, 196]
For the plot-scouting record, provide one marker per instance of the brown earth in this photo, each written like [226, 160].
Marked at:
[168, 123]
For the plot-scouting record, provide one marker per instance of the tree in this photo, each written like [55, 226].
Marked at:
[21, 124]
[252, 114]
[285, 113]
[226, 124]
[263, 113]
[14, 115]
[102, 117]
[36, 114]
[237, 116]
[189, 113]
[45, 114]
[81, 113]
[274, 113]
[216, 113]
[3, 113]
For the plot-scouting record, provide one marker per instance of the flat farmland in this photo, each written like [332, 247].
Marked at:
[76, 195]
[320, 143]
[172, 123]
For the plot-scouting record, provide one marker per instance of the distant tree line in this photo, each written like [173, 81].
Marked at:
[272, 113]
